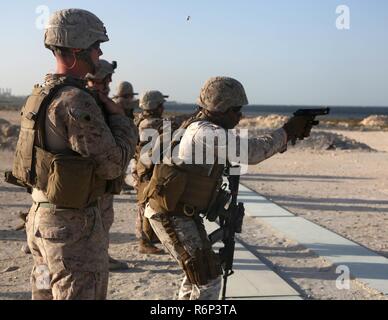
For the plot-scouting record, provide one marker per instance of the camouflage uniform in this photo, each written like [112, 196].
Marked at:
[105, 69]
[125, 98]
[148, 119]
[100, 82]
[218, 94]
[70, 246]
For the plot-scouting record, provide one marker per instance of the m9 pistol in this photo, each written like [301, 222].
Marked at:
[312, 113]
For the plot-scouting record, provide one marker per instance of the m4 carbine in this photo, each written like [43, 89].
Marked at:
[231, 220]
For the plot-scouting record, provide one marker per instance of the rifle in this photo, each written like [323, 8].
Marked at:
[231, 220]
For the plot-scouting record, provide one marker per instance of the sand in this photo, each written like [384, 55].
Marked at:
[345, 191]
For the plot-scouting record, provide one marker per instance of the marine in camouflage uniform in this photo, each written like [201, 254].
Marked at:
[151, 104]
[126, 98]
[182, 231]
[99, 82]
[70, 246]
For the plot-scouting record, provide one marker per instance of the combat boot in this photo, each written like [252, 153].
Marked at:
[148, 248]
[117, 265]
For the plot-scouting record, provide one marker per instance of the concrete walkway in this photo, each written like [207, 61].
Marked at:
[252, 279]
[363, 264]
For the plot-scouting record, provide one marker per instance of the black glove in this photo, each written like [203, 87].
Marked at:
[299, 127]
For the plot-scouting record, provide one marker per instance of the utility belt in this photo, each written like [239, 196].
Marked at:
[54, 207]
[184, 210]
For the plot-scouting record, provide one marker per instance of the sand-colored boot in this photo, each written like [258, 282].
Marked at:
[148, 248]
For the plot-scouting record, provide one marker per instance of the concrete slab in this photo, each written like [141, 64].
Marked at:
[364, 264]
[252, 279]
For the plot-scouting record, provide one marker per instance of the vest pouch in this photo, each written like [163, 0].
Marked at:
[42, 167]
[200, 191]
[22, 163]
[71, 181]
[166, 187]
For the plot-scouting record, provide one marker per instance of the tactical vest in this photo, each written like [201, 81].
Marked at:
[186, 189]
[67, 179]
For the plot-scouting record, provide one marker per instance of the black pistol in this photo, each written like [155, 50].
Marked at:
[310, 114]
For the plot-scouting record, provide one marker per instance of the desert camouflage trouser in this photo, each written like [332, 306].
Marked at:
[70, 252]
[144, 230]
[192, 235]
[107, 212]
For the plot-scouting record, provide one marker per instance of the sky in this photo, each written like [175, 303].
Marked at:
[282, 51]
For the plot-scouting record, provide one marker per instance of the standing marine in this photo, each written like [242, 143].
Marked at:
[152, 106]
[181, 192]
[68, 151]
[99, 82]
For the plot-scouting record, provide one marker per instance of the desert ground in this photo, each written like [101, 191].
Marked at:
[341, 185]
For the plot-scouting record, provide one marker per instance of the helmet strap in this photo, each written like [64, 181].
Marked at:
[84, 55]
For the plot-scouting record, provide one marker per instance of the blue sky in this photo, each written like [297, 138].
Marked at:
[284, 52]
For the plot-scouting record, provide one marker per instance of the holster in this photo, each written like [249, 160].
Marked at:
[201, 268]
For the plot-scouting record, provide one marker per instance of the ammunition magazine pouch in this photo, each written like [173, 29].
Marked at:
[68, 181]
[166, 187]
[172, 187]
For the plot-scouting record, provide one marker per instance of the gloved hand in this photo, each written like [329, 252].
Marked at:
[299, 127]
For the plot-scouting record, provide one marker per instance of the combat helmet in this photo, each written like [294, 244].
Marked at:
[222, 93]
[74, 28]
[104, 69]
[125, 89]
[150, 100]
